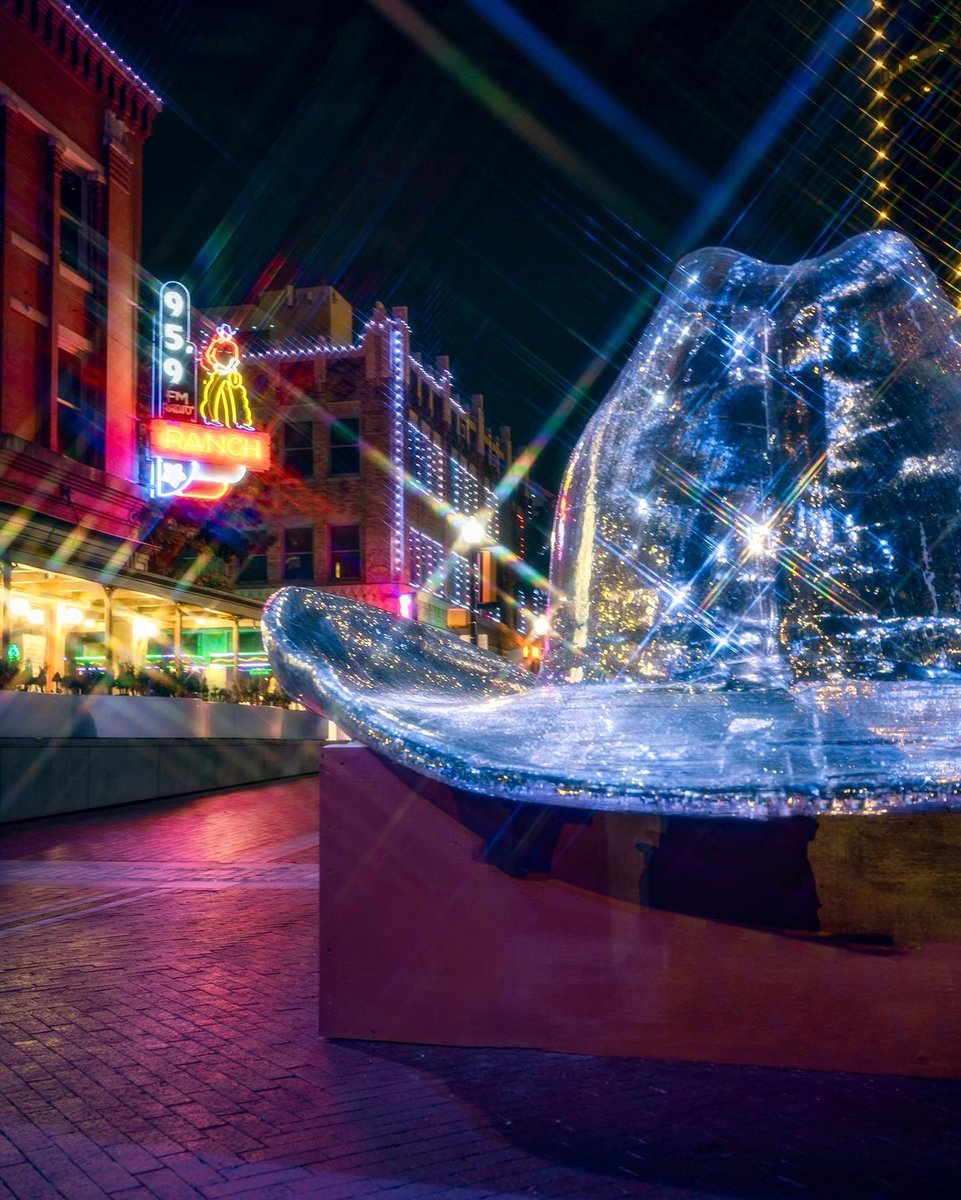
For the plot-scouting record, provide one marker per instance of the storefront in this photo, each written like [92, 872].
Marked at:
[69, 630]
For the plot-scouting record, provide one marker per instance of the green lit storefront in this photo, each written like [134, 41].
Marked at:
[99, 618]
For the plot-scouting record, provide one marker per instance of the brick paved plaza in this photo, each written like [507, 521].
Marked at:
[159, 968]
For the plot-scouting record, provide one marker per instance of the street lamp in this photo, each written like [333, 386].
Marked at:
[472, 531]
[535, 641]
[473, 534]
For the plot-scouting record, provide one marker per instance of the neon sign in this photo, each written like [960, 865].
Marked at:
[175, 390]
[205, 443]
[225, 397]
[194, 452]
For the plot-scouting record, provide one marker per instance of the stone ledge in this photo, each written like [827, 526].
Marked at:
[42, 776]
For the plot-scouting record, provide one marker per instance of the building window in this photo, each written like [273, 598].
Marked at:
[522, 619]
[345, 446]
[80, 418]
[494, 523]
[253, 569]
[460, 580]
[464, 489]
[76, 212]
[299, 448]
[299, 553]
[426, 562]
[345, 552]
[425, 461]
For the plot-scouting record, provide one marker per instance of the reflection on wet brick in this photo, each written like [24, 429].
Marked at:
[159, 1039]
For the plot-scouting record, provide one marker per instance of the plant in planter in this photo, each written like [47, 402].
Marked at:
[127, 678]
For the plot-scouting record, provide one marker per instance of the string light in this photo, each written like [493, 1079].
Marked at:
[398, 407]
[426, 563]
[76, 19]
[426, 461]
[464, 487]
[910, 121]
[879, 95]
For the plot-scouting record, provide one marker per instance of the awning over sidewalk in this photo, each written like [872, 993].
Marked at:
[79, 615]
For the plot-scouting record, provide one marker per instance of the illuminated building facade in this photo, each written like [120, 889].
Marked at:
[911, 66]
[82, 577]
[74, 122]
[378, 462]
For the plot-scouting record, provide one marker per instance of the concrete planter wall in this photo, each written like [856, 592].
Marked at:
[39, 714]
[62, 754]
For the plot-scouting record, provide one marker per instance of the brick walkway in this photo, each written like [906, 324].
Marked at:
[159, 1039]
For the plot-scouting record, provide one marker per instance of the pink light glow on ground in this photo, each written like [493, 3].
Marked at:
[158, 1037]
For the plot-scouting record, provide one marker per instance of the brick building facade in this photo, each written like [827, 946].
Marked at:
[377, 456]
[378, 461]
[73, 122]
[77, 584]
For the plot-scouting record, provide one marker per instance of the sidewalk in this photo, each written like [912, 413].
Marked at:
[158, 970]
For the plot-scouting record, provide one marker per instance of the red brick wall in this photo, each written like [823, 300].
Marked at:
[61, 100]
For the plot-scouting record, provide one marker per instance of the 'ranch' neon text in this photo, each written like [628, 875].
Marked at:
[204, 443]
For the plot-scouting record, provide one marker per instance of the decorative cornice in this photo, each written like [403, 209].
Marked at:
[69, 39]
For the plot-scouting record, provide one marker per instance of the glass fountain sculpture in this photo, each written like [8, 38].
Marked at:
[756, 572]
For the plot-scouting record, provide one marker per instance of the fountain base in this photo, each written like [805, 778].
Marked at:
[453, 919]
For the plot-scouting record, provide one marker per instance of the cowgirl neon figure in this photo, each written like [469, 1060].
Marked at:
[224, 401]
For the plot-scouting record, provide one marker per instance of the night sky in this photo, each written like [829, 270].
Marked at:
[521, 176]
